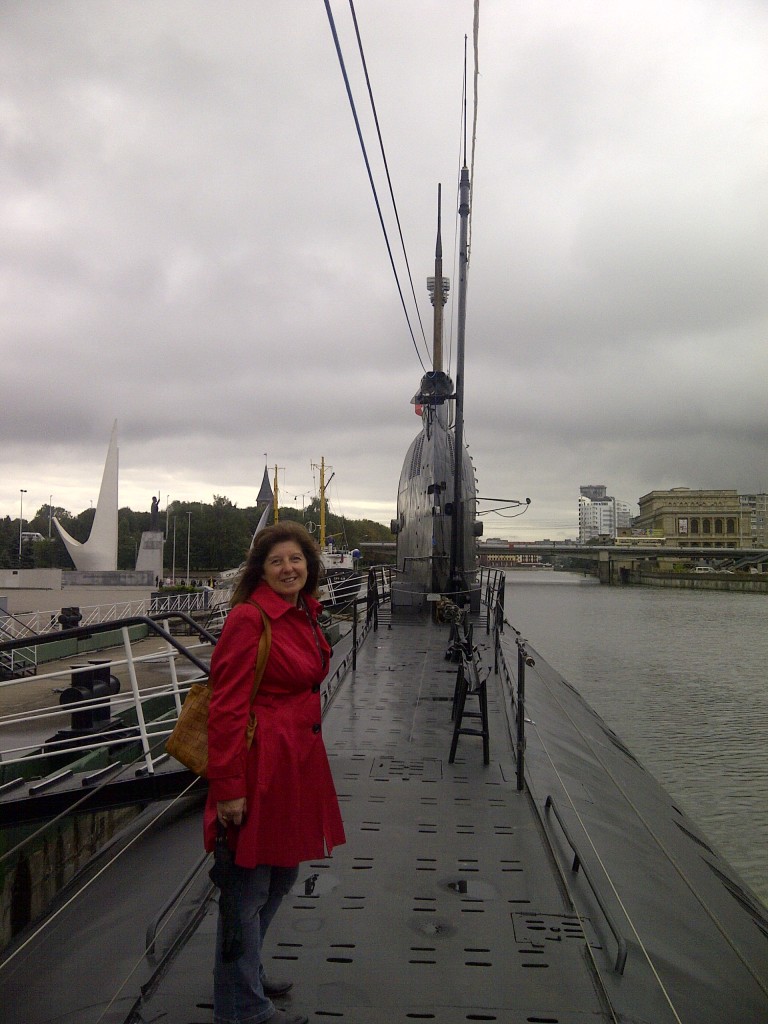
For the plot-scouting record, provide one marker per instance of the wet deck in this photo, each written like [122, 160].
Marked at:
[437, 908]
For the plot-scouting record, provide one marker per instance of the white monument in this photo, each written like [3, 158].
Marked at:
[99, 552]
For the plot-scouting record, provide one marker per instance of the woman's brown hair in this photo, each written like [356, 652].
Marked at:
[263, 542]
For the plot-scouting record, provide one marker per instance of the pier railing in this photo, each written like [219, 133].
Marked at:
[40, 623]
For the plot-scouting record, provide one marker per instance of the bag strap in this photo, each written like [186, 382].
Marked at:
[265, 643]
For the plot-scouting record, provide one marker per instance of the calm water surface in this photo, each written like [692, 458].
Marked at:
[682, 677]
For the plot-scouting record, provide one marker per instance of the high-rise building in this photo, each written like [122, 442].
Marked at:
[757, 504]
[601, 515]
[595, 492]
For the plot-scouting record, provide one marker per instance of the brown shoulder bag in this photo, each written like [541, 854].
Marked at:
[188, 742]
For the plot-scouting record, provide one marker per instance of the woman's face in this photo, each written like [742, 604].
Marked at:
[285, 570]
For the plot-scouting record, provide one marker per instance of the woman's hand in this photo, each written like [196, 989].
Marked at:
[231, 812]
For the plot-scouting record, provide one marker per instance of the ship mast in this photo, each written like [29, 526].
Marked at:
[322, 503]
[438, 295]
[323, 484]
[456, 577]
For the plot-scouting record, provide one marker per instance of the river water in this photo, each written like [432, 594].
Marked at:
[682, 677]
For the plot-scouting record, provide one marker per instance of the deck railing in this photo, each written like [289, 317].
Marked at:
[145, 732]
[25, 734]
[492, 582]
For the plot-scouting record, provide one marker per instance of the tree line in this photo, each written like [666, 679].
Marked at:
[217, 535]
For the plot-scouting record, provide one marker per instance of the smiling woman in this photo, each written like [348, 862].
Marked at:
[274, 805]
[275, 550]
[285, 570]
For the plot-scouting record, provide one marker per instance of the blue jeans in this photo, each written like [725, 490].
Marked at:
[238, 992]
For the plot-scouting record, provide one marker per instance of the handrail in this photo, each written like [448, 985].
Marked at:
[151, 934]
[41, 623]
[24, 660]
[144, 732]
[621, 956]
[10, 617]
[495, 620]
[147, 733]
[21, 662]
[153, 626]
[150, 621]
[524, 660]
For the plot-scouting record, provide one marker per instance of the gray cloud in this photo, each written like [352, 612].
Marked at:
[188, 244]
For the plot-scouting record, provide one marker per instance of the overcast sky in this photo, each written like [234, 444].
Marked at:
[189, 245]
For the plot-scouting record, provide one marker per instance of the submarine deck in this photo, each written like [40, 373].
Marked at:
[437, 907]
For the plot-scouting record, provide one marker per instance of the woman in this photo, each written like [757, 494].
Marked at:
[276, 800]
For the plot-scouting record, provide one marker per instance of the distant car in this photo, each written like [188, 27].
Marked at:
[703, 568]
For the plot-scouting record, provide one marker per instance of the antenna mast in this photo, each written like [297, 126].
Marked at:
[438, 295]
[457, 579]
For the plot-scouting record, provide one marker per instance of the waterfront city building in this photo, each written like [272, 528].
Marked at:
[696, 518]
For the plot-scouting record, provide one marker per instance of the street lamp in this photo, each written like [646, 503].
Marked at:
[22, 492]
[173, 570]
[189, 530]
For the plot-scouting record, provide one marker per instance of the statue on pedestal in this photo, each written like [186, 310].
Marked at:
[154, 521]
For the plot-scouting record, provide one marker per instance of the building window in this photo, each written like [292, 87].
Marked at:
[718, 526]
[730, 526]
[706, 526]
[694, 526]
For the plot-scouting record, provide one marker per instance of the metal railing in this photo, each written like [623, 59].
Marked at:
[379, 585]
[31, 728]
[621, 942]
[165, 604]
[492, 582]
[18, 663]
[41, 623]
[146, 732]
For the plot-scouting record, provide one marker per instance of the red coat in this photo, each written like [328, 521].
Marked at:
[292, 812]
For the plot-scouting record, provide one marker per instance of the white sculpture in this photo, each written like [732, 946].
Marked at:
[99, 552]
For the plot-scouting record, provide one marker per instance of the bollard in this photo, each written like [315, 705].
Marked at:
[70, 618]
[86, 686]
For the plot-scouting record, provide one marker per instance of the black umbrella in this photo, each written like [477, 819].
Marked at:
[223, 874]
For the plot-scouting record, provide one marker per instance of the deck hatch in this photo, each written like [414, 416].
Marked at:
[429, 769]
[541, 932]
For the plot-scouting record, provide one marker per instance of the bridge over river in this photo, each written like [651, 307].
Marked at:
[612, 563]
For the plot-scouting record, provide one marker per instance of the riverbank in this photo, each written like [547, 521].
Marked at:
[741, 583]
[618, 568]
